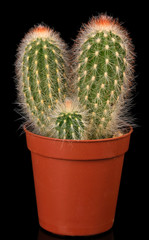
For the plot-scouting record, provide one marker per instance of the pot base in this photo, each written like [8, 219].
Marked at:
[74, 232]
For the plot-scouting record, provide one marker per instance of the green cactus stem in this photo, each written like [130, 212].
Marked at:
[69, 121]
[103, 70]
[41, 70]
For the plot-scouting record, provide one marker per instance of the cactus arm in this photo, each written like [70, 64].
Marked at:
[102, 73]
[68, 120]
[70, 126]
[41, 68]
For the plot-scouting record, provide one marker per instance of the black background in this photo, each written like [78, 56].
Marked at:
[20, 213]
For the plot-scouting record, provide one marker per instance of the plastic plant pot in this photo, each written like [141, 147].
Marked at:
[77, 182]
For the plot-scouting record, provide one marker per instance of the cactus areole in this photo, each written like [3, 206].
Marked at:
[76, 108]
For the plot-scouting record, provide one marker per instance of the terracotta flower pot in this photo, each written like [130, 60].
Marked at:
[77, 182]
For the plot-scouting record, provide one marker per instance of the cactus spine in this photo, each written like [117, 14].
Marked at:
[68, 120]
[103, 70]
[41, 69]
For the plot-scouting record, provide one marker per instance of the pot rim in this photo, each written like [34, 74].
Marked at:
[79, 141]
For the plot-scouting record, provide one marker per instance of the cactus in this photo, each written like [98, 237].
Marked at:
[102, 80]
[103, 70]
[68, 120]
[41, 70]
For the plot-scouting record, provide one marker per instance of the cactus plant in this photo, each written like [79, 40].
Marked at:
[102, 81]
[103, 70]
[68, 120]
[41, 68]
